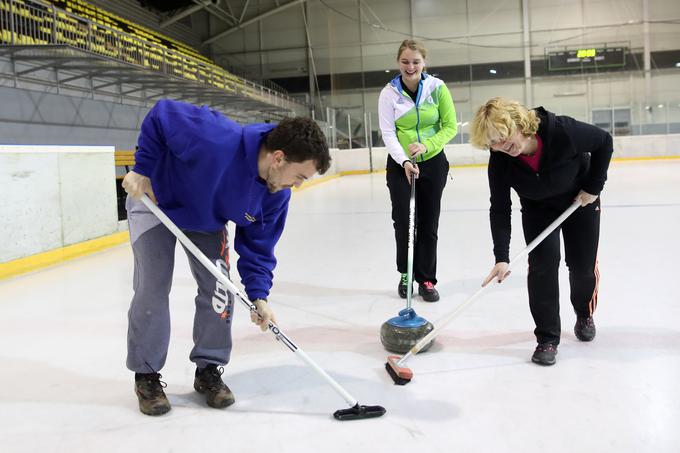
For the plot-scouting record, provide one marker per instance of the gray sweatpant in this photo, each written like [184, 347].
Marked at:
[153, 246]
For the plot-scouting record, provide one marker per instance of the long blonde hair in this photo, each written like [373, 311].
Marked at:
[503, 117]
[413, 45]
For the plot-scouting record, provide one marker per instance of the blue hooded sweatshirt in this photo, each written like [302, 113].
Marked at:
[203, 171]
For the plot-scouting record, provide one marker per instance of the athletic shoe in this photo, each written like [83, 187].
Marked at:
[545, 354]
[427, 291]
[584, 329]
[402, 289]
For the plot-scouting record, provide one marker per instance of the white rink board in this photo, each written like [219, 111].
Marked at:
[465, 154]
[54, 196]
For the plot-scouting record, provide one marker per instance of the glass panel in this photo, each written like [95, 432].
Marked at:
[603, 119]
[622, 121]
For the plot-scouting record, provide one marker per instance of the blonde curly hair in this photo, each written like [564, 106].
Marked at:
[499, 119]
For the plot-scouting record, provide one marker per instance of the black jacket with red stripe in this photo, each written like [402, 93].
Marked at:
[575, 157]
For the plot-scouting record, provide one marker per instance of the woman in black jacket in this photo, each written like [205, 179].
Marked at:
[550, 161]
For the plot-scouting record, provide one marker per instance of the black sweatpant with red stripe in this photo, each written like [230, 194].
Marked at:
[581, 232]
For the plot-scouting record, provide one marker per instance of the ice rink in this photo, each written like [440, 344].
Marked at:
[64, 386]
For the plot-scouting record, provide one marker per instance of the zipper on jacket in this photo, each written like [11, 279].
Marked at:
[420, 90]
[415, 103]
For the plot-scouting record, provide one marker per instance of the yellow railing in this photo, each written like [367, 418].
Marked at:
[30, 22]
[124, 158]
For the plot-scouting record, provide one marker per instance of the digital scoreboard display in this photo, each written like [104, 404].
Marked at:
[587, 58]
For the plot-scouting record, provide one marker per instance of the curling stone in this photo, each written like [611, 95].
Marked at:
[401, 333]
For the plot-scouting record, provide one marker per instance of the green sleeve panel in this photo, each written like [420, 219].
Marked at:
[447, 119]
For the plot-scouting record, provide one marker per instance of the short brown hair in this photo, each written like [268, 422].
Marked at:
[504, 117]
[301, 140]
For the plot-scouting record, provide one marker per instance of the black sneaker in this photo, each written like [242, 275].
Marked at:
[584, 329]
[427, 291]
[149, 390]
[545, 354]
[402, 289]
[209, 381]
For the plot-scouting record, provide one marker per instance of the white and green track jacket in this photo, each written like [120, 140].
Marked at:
[431, 120]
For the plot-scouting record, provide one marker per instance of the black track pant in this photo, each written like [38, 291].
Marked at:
[581, 233]
[429, 188]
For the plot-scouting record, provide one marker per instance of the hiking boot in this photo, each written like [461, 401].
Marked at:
[149, 390]
[427, 291]
[402, 289]
[209, 381]
[584, 329]
[545, 354]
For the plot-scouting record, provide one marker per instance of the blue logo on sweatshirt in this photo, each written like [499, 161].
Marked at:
[250, 218]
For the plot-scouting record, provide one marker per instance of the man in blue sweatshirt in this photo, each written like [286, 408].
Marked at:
[205, 170]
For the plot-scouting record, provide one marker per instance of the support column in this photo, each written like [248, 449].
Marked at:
[647, 55]
[526, 43]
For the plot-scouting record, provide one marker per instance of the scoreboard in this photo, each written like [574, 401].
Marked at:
[587, 58]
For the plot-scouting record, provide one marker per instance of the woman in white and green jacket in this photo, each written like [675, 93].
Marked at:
[417, 118]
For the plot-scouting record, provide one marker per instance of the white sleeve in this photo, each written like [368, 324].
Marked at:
[388, 128]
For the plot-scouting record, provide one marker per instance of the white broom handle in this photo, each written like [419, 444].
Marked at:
[545, 233]
[230, 286]
[444, 321]
[411, 240]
